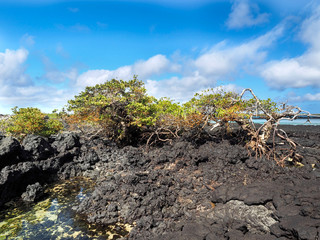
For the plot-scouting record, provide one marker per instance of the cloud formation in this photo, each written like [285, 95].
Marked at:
[177, 77]
[12, 70]
[184, 88]
[221, 62]
[245, 14]
[18, 88]
[307, 97]
[155, 65]
[54, 75]
[301, 71]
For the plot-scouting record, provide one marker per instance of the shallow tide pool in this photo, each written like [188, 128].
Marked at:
[53, 218]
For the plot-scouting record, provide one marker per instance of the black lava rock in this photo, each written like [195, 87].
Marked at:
[37, 147]
[10, 151]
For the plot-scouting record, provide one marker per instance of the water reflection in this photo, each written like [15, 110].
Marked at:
[54, 218]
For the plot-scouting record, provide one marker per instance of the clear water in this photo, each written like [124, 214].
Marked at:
[53, 218]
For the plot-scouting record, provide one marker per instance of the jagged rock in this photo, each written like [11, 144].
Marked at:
[10, 151]
[256, 219]
[66, 141]
[14, 180]
[298, 227]
[37, 147]
[206, 190]
[49, 166]
[33, 193]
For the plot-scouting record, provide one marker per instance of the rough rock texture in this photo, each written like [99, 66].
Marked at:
[209, 190]
[38, 161]
[10, 151]
[37, 147]
[33, 193]
[65, 142]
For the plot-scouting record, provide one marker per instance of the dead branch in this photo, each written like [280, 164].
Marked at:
[259, 137]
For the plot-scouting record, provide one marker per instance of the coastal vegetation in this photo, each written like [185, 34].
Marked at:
[30, 120]
[124, 112]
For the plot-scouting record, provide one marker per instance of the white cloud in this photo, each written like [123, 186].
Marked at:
[54, 75]
[291, 73]
[312, 97]
[307, 97]
[179, 89]
[44, 97]
[303, 70]
[222, 61]
[245, 14]
[59, 76]
[311, 29]
[92, 77]
[153, 66]
[219, 63]
[12, 70]
[18, 89]
[182, 89]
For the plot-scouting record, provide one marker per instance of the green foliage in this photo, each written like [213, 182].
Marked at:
[31, 121]
[219, 105]
[124, 111]
[223, 106]
[118, 106]
[4, 124]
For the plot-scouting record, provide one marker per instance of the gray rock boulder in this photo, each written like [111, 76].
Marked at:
[33, 193]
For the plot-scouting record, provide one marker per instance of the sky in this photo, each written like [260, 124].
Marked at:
[50, 50]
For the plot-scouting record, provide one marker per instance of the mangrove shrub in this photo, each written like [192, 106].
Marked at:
[30, 120]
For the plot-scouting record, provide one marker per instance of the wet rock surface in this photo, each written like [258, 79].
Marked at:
[35, 160]
[212, 190]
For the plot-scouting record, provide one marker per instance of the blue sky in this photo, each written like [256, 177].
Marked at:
[51, 50]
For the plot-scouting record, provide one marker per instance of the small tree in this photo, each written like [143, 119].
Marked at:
[30, 120]
[118, 107]
[223, 107]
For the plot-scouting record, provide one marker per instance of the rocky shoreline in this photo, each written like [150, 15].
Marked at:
[208, 190]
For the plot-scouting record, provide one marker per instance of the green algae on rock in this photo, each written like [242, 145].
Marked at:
[53, 217]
